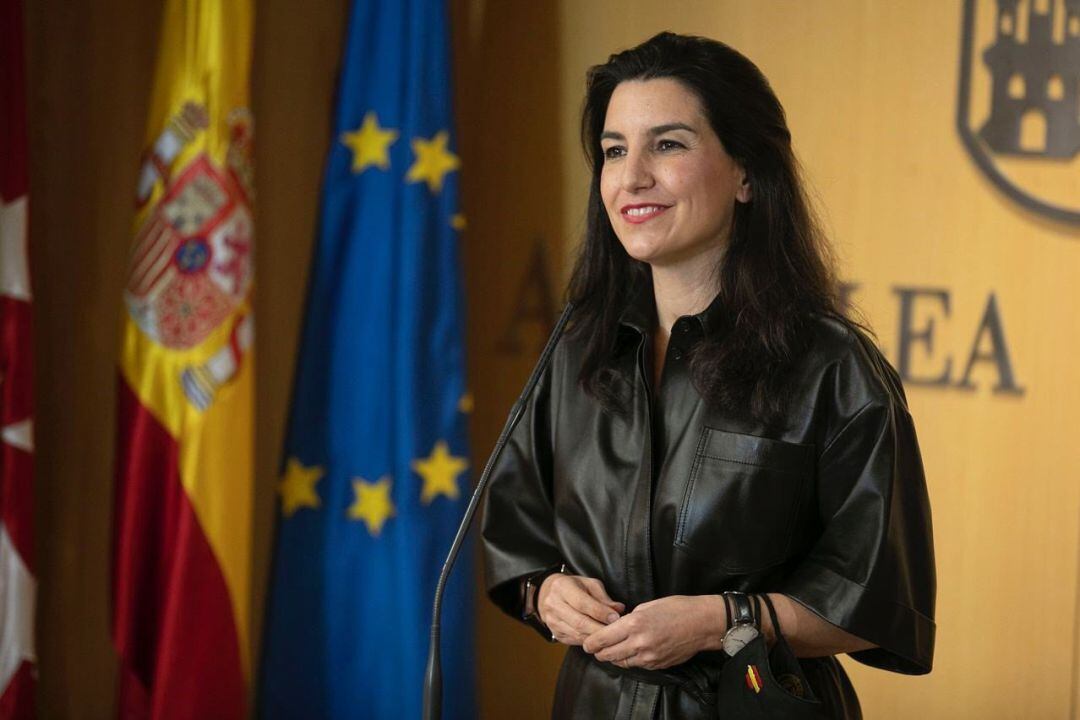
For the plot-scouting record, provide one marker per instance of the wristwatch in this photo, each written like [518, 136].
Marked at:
[743, 628]
[529, 610]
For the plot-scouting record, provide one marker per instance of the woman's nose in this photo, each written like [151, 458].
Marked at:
[637, 172]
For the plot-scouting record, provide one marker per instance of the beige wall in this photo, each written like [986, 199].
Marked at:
[870, 88]
[870, 91]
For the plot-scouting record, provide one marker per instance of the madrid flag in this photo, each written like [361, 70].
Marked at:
[17, 583]
[181, 543]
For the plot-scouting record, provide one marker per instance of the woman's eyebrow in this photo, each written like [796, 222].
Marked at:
[661, 129]
[653, 132]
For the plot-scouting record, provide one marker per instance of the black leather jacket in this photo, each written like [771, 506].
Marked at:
[678, 498]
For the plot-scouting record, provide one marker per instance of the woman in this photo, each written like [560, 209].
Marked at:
[711, 422]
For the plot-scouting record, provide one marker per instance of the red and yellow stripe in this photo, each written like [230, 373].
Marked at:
[753, 678]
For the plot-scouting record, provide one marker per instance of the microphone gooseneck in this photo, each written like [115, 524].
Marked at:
[433, 674]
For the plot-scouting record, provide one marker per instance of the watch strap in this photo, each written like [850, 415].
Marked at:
[530, 611]
[743, 610]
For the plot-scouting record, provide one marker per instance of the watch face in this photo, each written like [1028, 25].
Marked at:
[739, 637]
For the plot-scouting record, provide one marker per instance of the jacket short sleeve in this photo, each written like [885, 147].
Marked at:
[518, 525]
[871, 571]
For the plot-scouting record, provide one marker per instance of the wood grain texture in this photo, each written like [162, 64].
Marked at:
[507, 97]
[89, 69]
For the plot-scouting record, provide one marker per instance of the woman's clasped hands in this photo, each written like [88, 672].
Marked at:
[657, 634]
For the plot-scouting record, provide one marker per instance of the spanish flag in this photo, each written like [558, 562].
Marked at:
[181, 544]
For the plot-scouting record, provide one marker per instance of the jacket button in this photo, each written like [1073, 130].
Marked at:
[678, 355]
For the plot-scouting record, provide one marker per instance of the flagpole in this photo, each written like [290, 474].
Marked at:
[433, 674]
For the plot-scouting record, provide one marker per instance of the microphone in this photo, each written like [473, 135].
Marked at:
[433, 674]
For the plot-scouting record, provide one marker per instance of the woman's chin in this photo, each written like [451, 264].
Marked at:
[659, 258]
[644, 252]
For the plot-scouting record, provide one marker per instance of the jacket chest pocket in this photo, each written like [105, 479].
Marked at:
[739, 508]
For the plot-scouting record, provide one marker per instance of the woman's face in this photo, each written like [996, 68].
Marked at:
[668, 185]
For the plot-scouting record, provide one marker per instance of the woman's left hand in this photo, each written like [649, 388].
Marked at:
[661, 633]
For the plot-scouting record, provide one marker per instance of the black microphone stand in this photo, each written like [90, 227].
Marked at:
[433, 675]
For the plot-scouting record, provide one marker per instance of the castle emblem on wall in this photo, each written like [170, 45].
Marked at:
[1018, 111]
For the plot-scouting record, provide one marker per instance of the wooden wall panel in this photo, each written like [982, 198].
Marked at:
[89, 68]
[294, 77]
[507, 91]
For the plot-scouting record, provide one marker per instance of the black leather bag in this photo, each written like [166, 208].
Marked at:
[759, 684]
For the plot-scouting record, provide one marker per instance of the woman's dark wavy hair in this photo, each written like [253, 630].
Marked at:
[777, 269]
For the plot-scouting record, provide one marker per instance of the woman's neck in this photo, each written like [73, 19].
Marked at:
[683, 290]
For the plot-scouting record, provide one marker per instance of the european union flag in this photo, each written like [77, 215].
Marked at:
[374, 479]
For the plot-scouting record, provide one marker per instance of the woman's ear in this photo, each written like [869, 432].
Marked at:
[743, 193]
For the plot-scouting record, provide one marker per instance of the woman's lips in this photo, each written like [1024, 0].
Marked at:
[637, 214]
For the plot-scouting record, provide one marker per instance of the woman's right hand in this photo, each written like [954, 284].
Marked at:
[574, 607]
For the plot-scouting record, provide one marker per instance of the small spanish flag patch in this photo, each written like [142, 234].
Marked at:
[753, 678]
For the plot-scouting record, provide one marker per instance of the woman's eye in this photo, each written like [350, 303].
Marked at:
[613, 152]
[669, 145]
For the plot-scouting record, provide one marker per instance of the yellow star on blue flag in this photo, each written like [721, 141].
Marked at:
[373, 504]
[439, 472]
[297, 487]
[370, 144]
[433, 161]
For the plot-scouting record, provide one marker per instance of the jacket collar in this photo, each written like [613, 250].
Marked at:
[640, 312]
